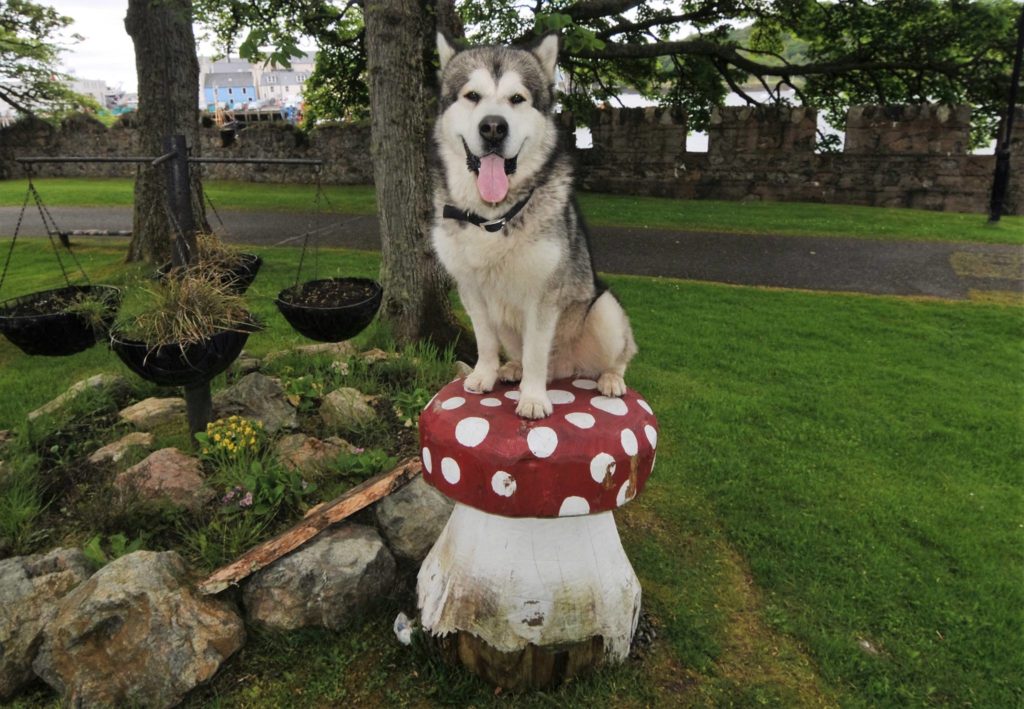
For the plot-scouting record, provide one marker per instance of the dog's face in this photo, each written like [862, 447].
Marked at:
[496, 127]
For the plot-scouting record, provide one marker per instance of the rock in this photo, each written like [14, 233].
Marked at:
[167, 474]
[334, 349]
[116, 385]
[346, 408]
[135, 634]
[327, 583]
[461, 370]
[114, 452]
[376, 355]
[153, 412]
[411, 519]
[310, 455]
[30, 586]
[257, 397]
[245, 365]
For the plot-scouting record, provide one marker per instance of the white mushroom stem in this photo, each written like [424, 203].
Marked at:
[513, 581]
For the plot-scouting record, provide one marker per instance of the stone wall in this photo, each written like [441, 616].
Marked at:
[345, 151]
[894, 156]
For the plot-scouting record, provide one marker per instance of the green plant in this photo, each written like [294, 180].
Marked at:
[407, 405]
[364, 463]
[116, 547]
[304, 391]
[222, 538]
[232, 440]
[263, 488]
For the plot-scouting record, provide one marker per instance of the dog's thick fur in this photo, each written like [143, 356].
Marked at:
[530, 287]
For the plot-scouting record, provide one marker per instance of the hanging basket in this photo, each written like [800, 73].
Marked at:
[40, 324]
[236, 279]
[182, 365]
[330, 309]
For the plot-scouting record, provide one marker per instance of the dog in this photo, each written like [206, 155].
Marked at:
[509, 231]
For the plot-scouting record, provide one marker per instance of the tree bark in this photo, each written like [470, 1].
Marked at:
[416, 303]
[168, 72]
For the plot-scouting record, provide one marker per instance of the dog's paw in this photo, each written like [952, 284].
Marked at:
[511, 372]
[611, 384]
[534, 407]
[479, 382]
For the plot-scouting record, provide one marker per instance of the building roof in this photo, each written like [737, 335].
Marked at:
[224, 80]
[283, 78]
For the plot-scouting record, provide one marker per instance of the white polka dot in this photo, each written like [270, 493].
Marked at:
[503, 484]
[453, 403]
[471, 431]
[450, 470]
[585, 384]
[602, 466]
[542, 441]
[490, 401]
[645, 406]
[626, 493]
[513, 395]
[580, 419]
[559, 396]
[610, 404]
[573, 506]
[427, 464]
[629, 442]
[652, 435]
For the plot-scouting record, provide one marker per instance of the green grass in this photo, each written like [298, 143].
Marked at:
[832, 470]
[788, 218]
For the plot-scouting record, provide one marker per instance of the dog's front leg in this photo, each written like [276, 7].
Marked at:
[488, 349]
[538, 334]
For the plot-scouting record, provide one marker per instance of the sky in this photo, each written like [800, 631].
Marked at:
[107, 51]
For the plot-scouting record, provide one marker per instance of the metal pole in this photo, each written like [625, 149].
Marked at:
[1001, 178]
[198, 401]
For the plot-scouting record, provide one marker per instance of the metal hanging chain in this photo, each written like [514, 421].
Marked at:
[305, 237]
[50, 224]
[14, 239]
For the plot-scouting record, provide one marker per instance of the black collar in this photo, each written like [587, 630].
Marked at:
[492, 225]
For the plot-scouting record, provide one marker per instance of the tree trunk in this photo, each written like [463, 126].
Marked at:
[416, 303]
[168, 72]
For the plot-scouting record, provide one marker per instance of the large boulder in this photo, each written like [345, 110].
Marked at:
[30, 587]
[346, 408]
[258, 397]
[135, 634]
[326, 583]
[114, 384]
[153, 412]
[338, 350]
[167, 474]
[411, 519]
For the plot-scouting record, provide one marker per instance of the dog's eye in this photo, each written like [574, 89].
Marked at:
[517, 98]
[473, 96]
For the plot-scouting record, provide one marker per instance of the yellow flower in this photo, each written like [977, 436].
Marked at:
[252, 440]
[216, 436]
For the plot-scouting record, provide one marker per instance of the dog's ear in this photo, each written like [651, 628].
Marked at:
[546, 52]
[445, 50]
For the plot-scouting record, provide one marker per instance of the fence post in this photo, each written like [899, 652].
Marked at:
[198, 402]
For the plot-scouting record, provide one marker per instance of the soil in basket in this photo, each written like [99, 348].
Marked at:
[48, 304]
[332, 293]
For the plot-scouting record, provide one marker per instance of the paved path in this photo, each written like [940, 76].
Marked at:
[910, 268]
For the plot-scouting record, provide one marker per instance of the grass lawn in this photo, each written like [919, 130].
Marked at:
[798, 219]
[834, 518]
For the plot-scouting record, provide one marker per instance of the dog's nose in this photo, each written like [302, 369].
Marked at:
[493, 129]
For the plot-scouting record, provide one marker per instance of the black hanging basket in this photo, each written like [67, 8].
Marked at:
[330, 309]
[177, 365]
[236, 279]
[39, 323]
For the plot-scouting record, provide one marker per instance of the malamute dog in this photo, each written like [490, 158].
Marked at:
[508, 229]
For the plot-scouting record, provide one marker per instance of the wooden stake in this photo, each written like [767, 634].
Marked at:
[329, 513]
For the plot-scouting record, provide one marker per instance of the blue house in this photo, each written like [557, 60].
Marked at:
[229, 89]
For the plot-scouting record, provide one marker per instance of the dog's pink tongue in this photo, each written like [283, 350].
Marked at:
[492, 182]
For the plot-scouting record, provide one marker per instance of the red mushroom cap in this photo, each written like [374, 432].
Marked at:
[593, 454]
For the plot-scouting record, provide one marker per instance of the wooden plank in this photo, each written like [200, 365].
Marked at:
[324, 516]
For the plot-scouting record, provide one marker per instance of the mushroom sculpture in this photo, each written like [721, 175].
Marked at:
[528, 584]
